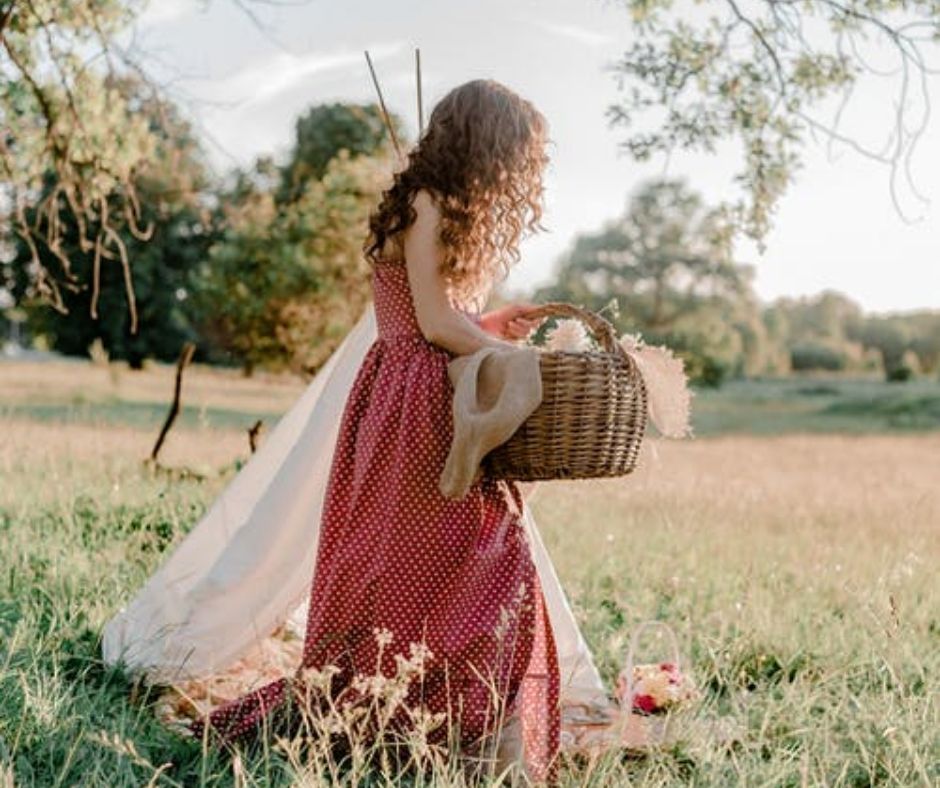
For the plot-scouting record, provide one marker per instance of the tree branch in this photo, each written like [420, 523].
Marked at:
[5, 16]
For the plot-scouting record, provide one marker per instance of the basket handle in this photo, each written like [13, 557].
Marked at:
[631, 657]
[600, 327]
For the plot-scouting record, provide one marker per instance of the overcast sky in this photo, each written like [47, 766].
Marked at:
[837, 226]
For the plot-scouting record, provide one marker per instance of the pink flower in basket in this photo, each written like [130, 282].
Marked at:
[657, 688]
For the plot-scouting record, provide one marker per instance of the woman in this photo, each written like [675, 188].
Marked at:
[404, 576]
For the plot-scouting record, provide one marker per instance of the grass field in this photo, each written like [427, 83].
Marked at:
[798, 567]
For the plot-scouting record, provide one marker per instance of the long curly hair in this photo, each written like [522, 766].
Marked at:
[481, 158]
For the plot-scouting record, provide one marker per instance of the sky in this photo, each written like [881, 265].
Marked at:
[243, 85]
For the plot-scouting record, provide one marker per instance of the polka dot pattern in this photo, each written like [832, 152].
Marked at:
[397, 557]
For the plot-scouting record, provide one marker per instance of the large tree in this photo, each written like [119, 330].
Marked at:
[667, 263]
[71, 144]
[173, 192]
[289, 279]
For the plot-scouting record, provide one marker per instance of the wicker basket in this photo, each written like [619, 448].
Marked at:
[592, 417]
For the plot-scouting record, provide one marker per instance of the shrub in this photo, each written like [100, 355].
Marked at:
[807, 356]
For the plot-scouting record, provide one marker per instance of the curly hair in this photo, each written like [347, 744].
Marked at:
[481, 158]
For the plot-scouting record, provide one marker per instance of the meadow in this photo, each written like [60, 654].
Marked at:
[793, 547]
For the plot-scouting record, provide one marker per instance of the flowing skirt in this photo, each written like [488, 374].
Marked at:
[409, 581]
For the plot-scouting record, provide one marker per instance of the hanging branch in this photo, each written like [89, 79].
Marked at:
[765, 73]
[63, 160]
[57, 168]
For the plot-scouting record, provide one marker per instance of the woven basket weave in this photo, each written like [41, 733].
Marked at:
[592, 417]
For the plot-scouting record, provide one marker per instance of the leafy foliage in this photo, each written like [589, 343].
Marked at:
[322, 131]
[830, 332]
[72, 141]
[288, 280]
[765, 73]
[668, 264]
[172, 194]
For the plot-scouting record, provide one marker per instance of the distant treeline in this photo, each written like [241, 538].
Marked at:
[830, 332]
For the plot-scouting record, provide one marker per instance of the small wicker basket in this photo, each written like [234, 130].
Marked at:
[592, 417]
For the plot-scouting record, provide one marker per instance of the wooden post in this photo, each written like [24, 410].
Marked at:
[253, 432]
[186, 355]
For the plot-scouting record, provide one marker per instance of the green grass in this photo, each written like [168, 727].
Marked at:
[147, 415]
[798, 571]
[767, 407]
[82, 393]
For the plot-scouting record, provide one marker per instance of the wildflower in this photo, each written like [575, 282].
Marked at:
[383, 636]
[420, 653]
[644, 703]
[568, 335]
[318, 679]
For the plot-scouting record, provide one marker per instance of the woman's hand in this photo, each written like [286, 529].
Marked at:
[511, 321]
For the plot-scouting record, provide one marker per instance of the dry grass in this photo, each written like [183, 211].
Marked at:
[81, 381]
[799, 572]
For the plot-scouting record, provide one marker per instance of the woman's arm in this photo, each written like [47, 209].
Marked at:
[439, 322]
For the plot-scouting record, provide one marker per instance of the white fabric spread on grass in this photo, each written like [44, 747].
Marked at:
[247, 565]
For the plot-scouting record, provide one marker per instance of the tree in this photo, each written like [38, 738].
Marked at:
[71, 146]
[667, 262]
[765, 73]
[71, 143]
[325, 129]
[664, 255]
[830, 332]
[925, 327]
[172, 193]
[817, 332]
[288, 279]
[892, 339]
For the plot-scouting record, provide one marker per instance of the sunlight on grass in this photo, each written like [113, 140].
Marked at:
[799, 572]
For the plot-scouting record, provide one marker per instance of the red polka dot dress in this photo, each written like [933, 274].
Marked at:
[405, 576]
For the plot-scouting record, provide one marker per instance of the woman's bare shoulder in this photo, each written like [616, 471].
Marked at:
[424, 229]
[425, 202]
[424, 225]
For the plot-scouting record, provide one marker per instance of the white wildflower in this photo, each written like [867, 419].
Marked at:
[382, 635]
[420, 653]
[568, 335]
[632, 343]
